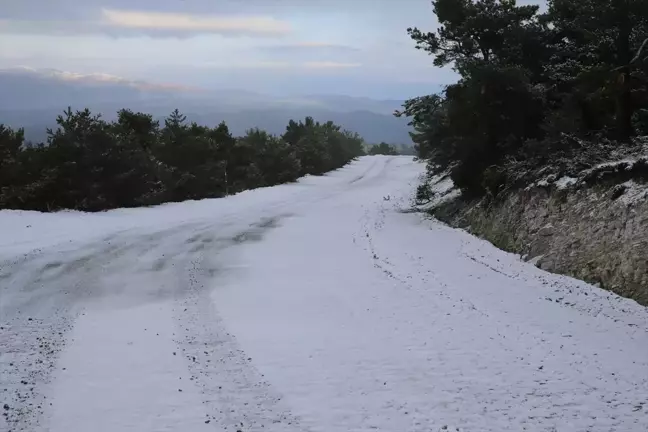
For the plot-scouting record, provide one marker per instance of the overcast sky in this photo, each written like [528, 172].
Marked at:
[285, 47]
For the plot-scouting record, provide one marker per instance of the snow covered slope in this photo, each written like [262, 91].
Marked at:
[317, 306]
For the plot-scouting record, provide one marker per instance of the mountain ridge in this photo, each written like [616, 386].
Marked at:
[33, 99]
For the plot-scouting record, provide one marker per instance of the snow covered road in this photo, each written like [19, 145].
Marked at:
[319, 306]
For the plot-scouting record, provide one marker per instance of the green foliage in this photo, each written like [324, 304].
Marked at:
[599, 57]
[90, 164]
[424, 193]
[484, 31]
[383, 149]
[528, 81]
[405, 150]
[322, 147]
[10, 145]
[277, 160]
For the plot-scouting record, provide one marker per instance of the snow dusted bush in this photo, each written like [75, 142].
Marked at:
[579, 162]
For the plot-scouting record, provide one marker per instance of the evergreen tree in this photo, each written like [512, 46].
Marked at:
[600, 54]
[528, 82]
[90, 164]
[383, 149]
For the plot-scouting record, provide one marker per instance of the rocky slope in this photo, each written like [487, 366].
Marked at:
[592, 225]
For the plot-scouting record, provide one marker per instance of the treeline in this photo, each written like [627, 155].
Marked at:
[533, 86]
[391, 150]
[91, 164]
[383, 149]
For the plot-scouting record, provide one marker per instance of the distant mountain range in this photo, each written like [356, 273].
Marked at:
[33, 98]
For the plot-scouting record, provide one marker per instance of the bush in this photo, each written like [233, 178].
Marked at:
[424, 193]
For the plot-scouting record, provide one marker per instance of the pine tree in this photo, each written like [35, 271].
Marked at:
[600, 52]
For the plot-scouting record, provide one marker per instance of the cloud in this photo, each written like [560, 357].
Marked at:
[282, 45]
[315, 54]
[309, 46]
[96, 78]
[75, 10]
[329, 65]
[282, 65]
[182, 22]
[124, 22]
[252, 64]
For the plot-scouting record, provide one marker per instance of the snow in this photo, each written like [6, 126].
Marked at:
[621, 163]
[443, 190]
[316, 306]
[165, 388]
[29, 231]
[634, 193]
[443, 186]
[565, 182]
[542, 183]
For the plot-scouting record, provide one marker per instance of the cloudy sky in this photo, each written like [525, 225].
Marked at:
[354, 47]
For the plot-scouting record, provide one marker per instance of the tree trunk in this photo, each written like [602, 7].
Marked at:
[624, 105]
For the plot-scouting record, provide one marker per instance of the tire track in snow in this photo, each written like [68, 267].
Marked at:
[372, 222]
[569, 379]
[38, 316]
[236, 396]
[57, 285]
[564, 290]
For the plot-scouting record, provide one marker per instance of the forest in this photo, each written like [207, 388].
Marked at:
[90, 164]
[564, 86]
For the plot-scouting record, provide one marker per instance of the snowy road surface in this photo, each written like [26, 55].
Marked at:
[317, 306]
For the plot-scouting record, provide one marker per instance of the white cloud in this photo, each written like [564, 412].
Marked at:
[98, 78]
[132, 22]
[228, 64]
[275, 44]
[311, 65]
[322, 50]
[180, 22]
[329, 65]
[315, 44]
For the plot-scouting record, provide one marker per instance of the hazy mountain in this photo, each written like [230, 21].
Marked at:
[33, 98]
